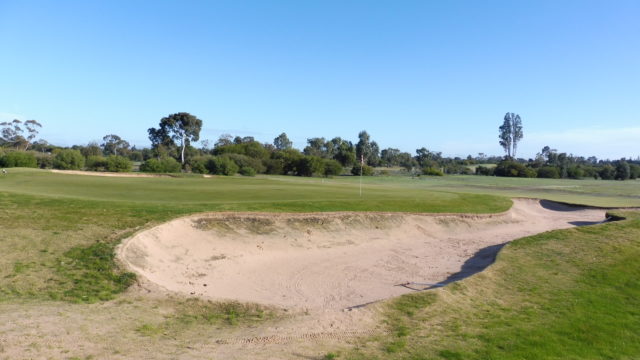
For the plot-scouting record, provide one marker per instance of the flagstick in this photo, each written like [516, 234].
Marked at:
[361, 166]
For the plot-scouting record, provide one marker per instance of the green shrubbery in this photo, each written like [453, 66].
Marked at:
[222, 165]
[511, 168]
[68, 159]
[163, 165]
[366, 170]
[18, 159]
[432, 171]
[116, 163]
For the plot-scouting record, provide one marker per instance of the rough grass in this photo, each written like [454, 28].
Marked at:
[569, 294]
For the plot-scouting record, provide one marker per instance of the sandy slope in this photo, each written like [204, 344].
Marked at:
[103, 173]
[330, 261]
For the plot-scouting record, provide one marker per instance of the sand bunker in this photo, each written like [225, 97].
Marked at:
[331, 260]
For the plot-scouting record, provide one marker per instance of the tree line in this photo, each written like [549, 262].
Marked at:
[172, 150]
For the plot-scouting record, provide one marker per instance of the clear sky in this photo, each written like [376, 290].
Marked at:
[438, 74]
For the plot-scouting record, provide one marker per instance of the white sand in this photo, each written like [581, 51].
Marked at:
[329, 261]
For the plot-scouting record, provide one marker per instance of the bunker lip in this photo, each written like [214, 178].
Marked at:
[331, 261]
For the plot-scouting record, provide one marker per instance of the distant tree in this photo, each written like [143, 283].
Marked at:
[181, 127]
[390, 157]
[92, 149]
[114, 143]
[224, 140]
[510, 134]
[623, 171]
[367, 149]
[316, 147]
[13, 133]
[282, 142]
[343, 151]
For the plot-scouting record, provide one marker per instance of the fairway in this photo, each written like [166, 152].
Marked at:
[59, 271]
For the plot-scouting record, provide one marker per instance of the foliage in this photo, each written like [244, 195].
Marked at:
[96, 163]
[623, 171]
[332, 167]
[511, 168]
[366, 170]
[117, 163]
[483, 170]
[18, 159]
[162, 165]
[114, 143]
[510, 133]
[222, 165]
[12, 133]
[310, 165]
[198, 164]
[607, 172]
[45, 161]
[432, 171]
[68, 159]
[247, 171]
[549, 172]
[282, 142]
[246, 161]
[181, 127]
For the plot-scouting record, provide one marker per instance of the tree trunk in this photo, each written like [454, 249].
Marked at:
[183, 146]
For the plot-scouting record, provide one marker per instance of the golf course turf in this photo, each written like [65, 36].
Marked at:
[566, 294]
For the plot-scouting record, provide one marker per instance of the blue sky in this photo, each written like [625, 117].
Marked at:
[438, 74]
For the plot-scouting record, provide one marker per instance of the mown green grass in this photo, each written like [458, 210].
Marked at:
[605, 193]
[569, 294]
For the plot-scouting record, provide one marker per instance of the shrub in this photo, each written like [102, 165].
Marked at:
[483, 170]
[96, 163]
[117, 163]
[19, 159]
[607, 172]
[332, 168]
[247, 171]
[162, 165]
[634, 171]
[511, 168]
[623, 170]
[275, 166]
[432, 171]
[366, 170]
[199, 164]
[246, 161]
[222, 165]
[549, 172]
[45, 161]
[68, 159]
[309, 166]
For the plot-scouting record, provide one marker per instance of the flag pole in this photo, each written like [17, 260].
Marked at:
[361, 166]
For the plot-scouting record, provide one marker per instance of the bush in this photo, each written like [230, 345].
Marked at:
[510, 168]
[366, 170]
[634, 171]
[431, 171]
[483, 170]
[332, 168]
[575, 172]
[45, 161]
[246, 161]
[247, 171]
[163, 165]
[18, 159]
[275, 166]
[96, 163]
[623, 170]
[549, 172]
[607, 172]
[309, 165]
[199, 164]
[117, 163]
[68, 159]
[222, 165]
